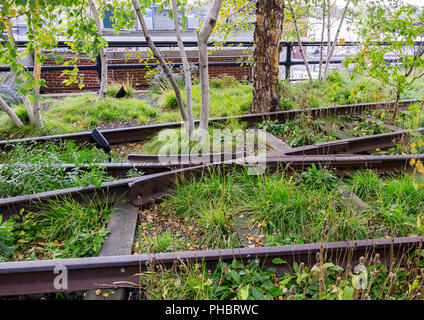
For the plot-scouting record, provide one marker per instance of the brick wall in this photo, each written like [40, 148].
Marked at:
[136, 76]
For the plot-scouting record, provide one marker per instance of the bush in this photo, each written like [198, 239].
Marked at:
[10, 96]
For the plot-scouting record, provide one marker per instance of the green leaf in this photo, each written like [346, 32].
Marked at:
[243, 293]
[348, 293]
[257, 294]
[235, 276]
[278, 261]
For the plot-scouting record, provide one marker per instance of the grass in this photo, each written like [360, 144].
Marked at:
[227, 98]
[227, 101]
[294, 210]
[78, 113]
[175, 141]
[59, 229]
[33, 169]
[396, 201]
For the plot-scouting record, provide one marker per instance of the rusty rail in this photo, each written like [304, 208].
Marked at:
[30, 277]
[123, 135]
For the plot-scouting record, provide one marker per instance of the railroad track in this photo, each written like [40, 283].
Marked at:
[124, 135]
[30, 277]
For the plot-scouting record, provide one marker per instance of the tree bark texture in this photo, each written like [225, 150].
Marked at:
[266, 55]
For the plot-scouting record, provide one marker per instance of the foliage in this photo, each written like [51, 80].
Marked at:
[10, 96]
[6, 240]
[399, 28]
[33, 169]
[60, 229]
[298, 132]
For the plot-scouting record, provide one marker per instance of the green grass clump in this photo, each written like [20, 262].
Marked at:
[33, 169]
[59, 229]
[396, 201]
[289, 207]
[224, 101]
[88, 111]
[175, 141]
[78, 113]
[168, 100]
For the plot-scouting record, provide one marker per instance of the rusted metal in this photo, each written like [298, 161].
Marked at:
[123, 135]
[354, 145]
[147, 189]
[110, 191]
[30, 277]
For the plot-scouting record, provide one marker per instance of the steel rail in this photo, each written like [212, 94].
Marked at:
[30, 277]
[160, 177]
[354, 145]
[131, 134]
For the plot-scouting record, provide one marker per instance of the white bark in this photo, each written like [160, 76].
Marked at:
[11, 113]
[186, 69]
[102, 53]
[29, 110]
[159, 57]
[36, 104]
[322, 44]
[202, 39]
[331, 51]
[299, 40]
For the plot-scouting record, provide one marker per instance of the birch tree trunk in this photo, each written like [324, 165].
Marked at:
[36, 104]
[266, 55]
[102, 52]
[27, 103]
[202, 40]
[159, 57]
[187, 72]
[299, 40]
[333, 46]
[11, 113]
[321, 56]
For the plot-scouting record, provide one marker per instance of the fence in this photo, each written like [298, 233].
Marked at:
[292, 66]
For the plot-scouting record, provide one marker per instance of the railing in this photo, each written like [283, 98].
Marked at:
[287, 63]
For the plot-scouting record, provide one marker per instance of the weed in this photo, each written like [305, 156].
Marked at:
[60, 229]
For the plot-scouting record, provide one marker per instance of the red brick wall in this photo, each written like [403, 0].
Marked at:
[55, 84]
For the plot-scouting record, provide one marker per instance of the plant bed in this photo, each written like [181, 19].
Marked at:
[38, 168]
[59, 229]
[250, 280]
[305, 208]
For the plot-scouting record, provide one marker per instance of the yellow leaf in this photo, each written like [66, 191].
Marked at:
[341, 42]
[412, 162]
[22, 233]
[105, 295]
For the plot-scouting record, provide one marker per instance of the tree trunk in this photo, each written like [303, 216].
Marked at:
[102, 53]
[331, 51]
[266, 55]
[11, 113]
[187, 72]
[36, 104]
[299, 40]
[321, 53]
[29, 110]
[202, 40]
[159, 57]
